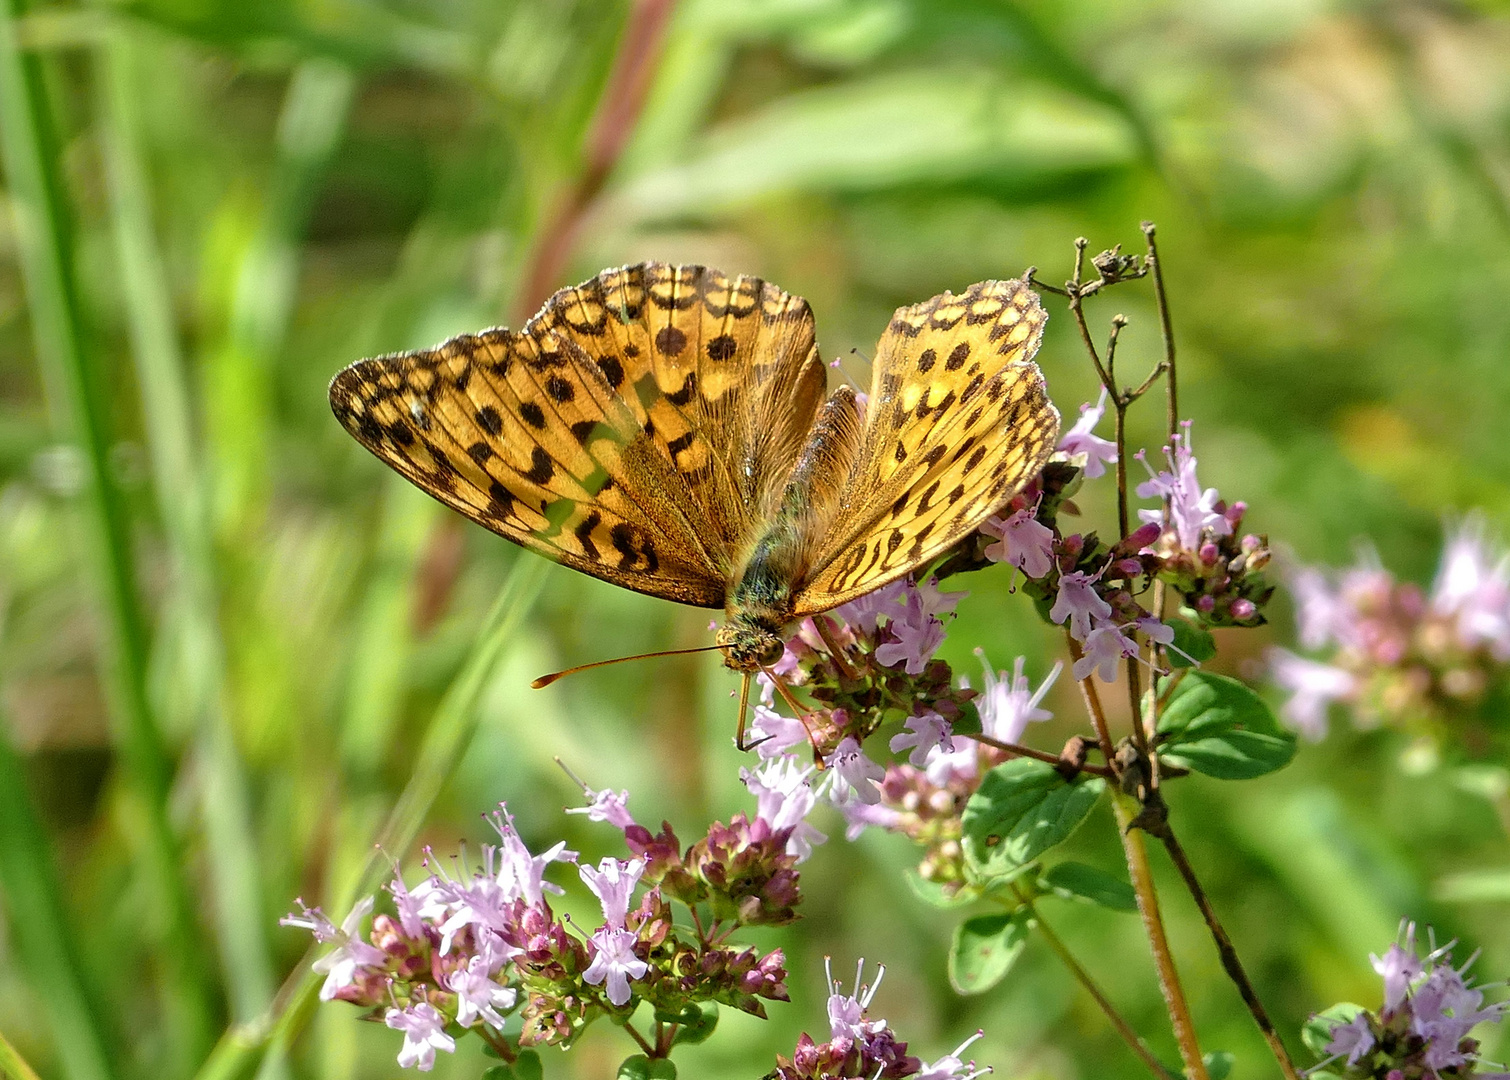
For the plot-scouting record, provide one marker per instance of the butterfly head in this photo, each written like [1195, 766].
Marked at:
[749, 644]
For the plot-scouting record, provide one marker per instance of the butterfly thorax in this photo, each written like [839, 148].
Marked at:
[759, 606]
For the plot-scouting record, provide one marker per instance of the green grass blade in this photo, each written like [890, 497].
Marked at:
[39, 926]
[446, 740]
[30, 152]
[12, 1065]
[241, 922]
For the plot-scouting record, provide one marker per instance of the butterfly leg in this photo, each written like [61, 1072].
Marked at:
[796, 707]
[744, 709]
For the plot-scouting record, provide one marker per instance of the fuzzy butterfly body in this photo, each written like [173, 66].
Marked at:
[668, 429]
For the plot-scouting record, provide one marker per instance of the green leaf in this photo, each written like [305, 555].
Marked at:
[968, 721]
[641, 1067]
[697, 1023]
[1190, 640]
[527, 1066]
[1076, 881]
[1218, 1064]
[936, 895]
[1317, 1031]
[927, 125]
[985, 948]
[1022, 809]
[499, 1072]
[1220, 727]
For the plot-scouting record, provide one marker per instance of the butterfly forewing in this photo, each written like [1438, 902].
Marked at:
[958, 420]
[635, 429]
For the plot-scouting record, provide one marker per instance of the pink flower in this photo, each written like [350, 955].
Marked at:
[614, 961]
[924, 732]
[1080, 440]
[1105, 647]
[341, 964]
[775, 734]
[1008, 705]
[1313, 686]
[864, 613]
[1079, 602]
[854, 774]
[1192, 510]
[478, 996]
[1354, 1038]
[520, 871]
[612, 883]
[784, 796]
[846, 1012]
[606, 806]
[1022, 541]
[1473, 588]
[424, 1031]
[950, 1067]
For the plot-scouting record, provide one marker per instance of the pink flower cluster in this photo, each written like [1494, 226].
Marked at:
[860, 1046]
[464, 950]
[1422, 1029]
[1397, 654]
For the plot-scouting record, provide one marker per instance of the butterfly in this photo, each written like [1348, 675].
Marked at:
[670, 429]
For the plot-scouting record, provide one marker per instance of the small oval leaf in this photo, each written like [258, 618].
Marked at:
[1022, 809]
[1076, 881]
[1220, 727]
[985, 948]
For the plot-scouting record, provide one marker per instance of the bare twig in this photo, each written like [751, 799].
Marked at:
[617, 112]
[1166, 328]
[1039, 755]
[1224, 947]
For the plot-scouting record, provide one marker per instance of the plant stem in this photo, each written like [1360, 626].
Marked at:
[1037, 755]
[44, 939]
[1093, 704]
[618, 109]
[30, 149]
[1230, 962]
[180, 488]
[1166, 327]
[1084, 979]
[1141, 873]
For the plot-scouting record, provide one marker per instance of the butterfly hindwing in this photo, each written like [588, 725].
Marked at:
[957, 421]
[722, 373]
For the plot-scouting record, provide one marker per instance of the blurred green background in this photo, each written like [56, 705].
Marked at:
[220, 669]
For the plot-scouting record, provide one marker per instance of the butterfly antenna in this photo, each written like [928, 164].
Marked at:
[546, 680]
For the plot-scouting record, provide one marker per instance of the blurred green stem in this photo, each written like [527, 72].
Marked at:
[1083, 977]
[44, 940]
[613, 122]
[45, 242]
[445, 741]
[231, 849]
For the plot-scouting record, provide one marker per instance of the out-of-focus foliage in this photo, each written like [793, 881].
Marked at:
[332, 180]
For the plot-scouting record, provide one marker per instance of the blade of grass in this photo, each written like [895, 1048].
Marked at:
[39, 925]
[264, 287]
[449, 734]
[12, 1065]
[29, 149]
[231, 848]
